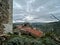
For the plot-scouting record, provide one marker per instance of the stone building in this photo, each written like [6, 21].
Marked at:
[5, 15]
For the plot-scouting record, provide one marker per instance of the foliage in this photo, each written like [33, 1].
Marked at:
[46, 40]
[29, 40]
[24, 40]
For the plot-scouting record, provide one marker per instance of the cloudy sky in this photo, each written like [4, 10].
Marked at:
[35, 10]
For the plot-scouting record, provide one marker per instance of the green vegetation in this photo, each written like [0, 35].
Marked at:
[51, 37]
[29, 40]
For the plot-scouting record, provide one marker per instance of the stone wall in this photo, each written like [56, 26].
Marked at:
[5, 16]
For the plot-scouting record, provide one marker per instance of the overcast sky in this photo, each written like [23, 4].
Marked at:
[35, 10]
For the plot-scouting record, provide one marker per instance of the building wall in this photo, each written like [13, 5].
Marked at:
[6, 12]
[9, 24]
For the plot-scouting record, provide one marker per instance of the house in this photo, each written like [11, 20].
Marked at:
[27, 29]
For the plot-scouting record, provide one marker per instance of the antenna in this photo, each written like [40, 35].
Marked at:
[55, 17]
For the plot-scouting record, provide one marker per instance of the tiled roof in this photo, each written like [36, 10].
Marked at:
[34, 32]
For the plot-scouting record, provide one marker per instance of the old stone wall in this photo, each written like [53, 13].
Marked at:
[5, 16]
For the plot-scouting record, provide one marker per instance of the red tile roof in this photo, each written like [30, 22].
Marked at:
[34, 32]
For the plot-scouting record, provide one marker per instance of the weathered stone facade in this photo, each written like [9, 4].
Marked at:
[5, 15]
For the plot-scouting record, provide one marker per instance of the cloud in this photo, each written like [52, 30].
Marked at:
[39, 8]
[30, 1]
[17, 21]
[16, 5]
[35, 10]
[54, 12]
[28, 18]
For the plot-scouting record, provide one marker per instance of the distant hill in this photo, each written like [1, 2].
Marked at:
[45, 27]
[56, 27]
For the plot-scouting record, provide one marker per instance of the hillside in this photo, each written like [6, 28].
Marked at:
[51, 30]
[55, 26]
